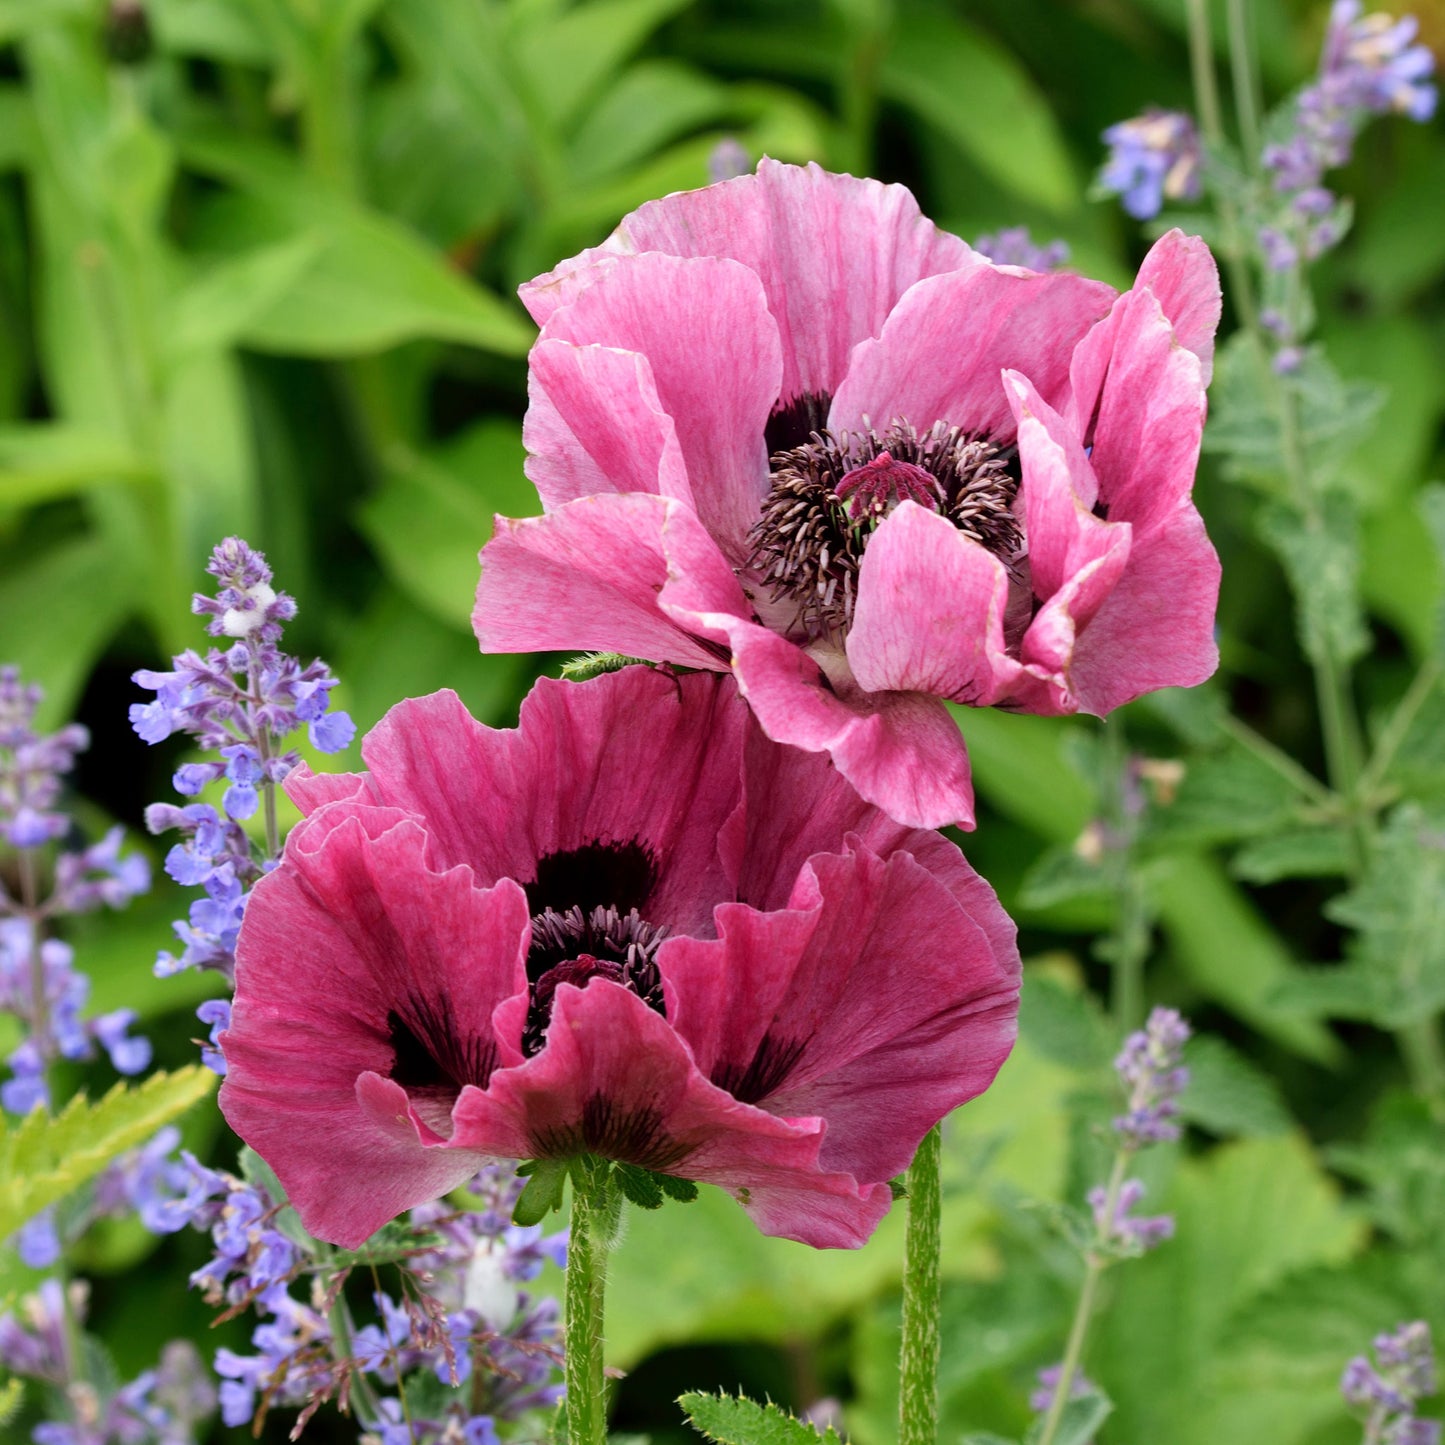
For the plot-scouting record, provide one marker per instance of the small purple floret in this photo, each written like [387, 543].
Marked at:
[1153, 158]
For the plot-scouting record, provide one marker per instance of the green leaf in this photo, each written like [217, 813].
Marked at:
[229, 297]
[1431, 503]
[434, 511]
[1230, 953]
[1295, 853]
[736, 1420]
[1229, 1095]
[543, 1194]
[1398, 913]
[568, 58]
[47, 460]
[684, 1191]
[638, 1186]
[1248, 1215]
[935, 60]
[43, 1158]
[1064, 875]
[374, 285]
[1401, 1163]
[1065, 1024]
[217, 29]
[17, 17]
[1081, 1417]
[1323, 563]
[1223, 796]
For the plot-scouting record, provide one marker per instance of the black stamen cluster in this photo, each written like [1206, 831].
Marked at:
[807, 547]
[575, 946]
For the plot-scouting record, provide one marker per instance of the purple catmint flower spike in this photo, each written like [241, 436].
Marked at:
[1153, 158]
[1149, 1067]
[239, 703]
[1385, 1392]
[1013, 246]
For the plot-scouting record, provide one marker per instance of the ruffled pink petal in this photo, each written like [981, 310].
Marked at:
[615, 1079]
[1180, 272]
[930, 612]
[595, 424]
[1156, 629]
[834, 254]
[633, 757]
[875, 1002]
[940, 353]
[797, 803]
[900, 750]
[716, 364]
[1150, 418]
[310, 791]
[589, 575]
[356, 926]
[1058, 494]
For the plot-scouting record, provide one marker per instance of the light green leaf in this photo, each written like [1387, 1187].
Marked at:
[42, 1158]
[434, 511]
[376, 283]
[1065, 1024]
[1323, 563]
[225, 300]
[217, 29]
[1223, 796]
[18, 17]
[1248, 1215]
[735, 1420]
[1296, 853]
[46, 460]
[1398, 912]
[566, 59]
[1230, 953]
[963, 82]
[1229, 1095]
[1064, 875]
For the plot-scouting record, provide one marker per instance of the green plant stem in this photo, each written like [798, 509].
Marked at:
[1095, 1262]
[918, 1383]
[1421, 686]
[1277, 759]
[587, 1241]
[1206, 99]
[1244, 80]
[1128, 944]
[343, 1332]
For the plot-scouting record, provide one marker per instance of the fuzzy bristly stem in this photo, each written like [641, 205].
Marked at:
[918, 1386]
[1129, 942]
[587, 1241]
[1095, 1262]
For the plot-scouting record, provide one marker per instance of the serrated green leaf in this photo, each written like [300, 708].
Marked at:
[42, 1158]
[1401, 1163]
[1223, 796]
[684, 1191]
[1064, 1024]
[736, 1420]
[1297, 853]
[1081, 1417]
[1322, 560]
[1228, 1095]
[639, 1186]
[1398, 914]
[1064, 875]
[546, 1179]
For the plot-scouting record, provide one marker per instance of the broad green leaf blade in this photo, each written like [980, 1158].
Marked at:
[566, 59]
[376, 284]
[42, 1158]
[736, 1420]
[47, 460]
[963, 82]
[1229, 1095]
[434, 511]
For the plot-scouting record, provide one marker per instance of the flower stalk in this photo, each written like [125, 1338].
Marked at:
[595, 1209]
[918, 1386]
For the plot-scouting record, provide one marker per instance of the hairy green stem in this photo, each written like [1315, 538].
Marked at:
[1095, 1262]
[1129, 944]
[918, 1385]
[593, 1207]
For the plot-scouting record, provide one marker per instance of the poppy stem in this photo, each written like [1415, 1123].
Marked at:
[918, 1387]
[594, 1218]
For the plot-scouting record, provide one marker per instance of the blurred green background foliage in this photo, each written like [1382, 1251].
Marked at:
[257, 263]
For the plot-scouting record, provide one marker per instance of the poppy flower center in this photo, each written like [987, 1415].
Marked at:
[576, 946]
[830, 491]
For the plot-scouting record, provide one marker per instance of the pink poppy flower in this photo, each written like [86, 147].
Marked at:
[787, 426]
[632, 927]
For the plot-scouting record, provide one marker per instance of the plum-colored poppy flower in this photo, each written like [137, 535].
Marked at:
[633, 927]
[787, 426]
